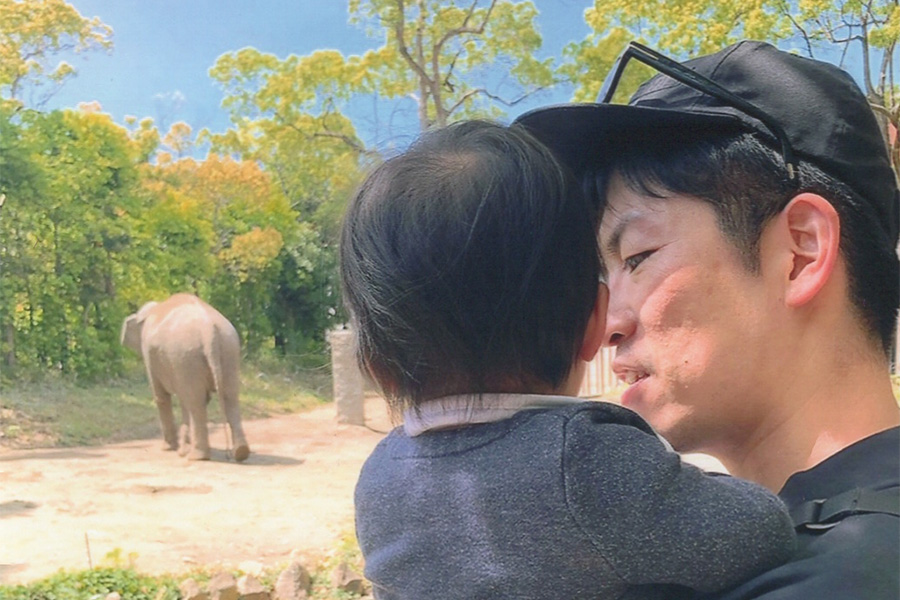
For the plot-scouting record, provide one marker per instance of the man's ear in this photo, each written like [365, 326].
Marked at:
[814, 235]
[596, 326]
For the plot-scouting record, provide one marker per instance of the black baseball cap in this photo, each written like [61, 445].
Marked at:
[817, 108]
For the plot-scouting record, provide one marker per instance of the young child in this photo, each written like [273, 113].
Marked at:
[470, 267]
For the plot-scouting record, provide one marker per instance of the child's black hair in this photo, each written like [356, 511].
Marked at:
[469, 264]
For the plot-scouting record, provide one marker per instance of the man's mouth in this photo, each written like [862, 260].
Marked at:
[632, 377]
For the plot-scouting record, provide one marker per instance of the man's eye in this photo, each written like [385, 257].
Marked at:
[632, 262]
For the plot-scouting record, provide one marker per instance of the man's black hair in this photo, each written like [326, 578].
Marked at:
[745, 182]
[469, 265]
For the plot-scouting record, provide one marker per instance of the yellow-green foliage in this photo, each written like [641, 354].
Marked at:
[41, 30]
[439, 51]
[100, 217]
[686, 28]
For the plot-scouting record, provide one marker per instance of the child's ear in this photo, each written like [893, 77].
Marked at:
[596, 326]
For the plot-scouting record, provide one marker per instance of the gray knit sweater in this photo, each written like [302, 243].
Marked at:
[566, 503]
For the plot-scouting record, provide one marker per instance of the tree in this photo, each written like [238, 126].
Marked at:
[21, 183]
[444, 54]
[813, 27]
[32, 32]
[178, 140]
[44, 305]
[226, 231]
[873, 27]
[66, 246]
[286, 116]
[456, 59]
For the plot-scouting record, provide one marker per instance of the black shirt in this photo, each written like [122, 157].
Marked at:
[859, 558]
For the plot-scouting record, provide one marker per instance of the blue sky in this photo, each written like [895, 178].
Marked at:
[163, 50]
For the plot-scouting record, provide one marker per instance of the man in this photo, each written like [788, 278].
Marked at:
[472, 317]
[749, 236]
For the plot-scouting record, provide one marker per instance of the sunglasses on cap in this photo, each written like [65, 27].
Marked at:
[694, 80]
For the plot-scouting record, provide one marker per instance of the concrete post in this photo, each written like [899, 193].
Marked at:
[346, 377]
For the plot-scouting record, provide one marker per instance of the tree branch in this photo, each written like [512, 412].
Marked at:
[428, 86]
[350, 141]
[867, 69]
[450, 68]
[483, 92]
[441, 112]
[464, 28]
[882, 75]
[464, 97]
[785, 10]
[878, 108]
[355, 145]
[400, 32]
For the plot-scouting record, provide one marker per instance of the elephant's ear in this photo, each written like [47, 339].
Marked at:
[141, 315]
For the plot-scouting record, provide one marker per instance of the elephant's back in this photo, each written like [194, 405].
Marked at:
[173, 349]
[181, 324]
[190, 308]
[182, 333]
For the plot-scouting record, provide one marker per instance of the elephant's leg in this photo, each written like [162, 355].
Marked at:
[196, 406]
[232, 412]
[166, 416]
[184, 432]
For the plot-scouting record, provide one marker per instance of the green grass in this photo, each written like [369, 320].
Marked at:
[117, 574]
[96, 583]
[60, 412]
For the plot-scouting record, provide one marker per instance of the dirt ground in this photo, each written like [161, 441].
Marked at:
[70, 507]
[64, 507]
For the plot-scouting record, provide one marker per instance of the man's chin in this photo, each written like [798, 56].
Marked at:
[637, 397]
[672, 430]
[669, 420]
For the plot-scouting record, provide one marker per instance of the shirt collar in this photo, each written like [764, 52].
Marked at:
[471, 409]
[873, 462]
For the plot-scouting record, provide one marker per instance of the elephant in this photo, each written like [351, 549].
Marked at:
[190, 350]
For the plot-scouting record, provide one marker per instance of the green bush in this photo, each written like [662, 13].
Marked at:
[95, 585]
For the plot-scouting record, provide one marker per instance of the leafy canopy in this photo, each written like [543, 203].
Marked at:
[32, 32]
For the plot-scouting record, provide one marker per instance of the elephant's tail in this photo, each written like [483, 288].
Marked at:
[224, 354]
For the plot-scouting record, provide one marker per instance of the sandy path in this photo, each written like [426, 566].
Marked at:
[294, 492]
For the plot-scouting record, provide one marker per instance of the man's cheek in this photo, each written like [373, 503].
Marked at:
[676, 300]
[686, 359]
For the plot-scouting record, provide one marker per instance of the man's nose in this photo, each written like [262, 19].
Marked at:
[620, 321]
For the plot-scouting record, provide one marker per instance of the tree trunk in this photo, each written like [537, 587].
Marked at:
[9, 358]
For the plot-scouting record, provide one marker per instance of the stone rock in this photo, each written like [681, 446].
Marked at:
[190, 590]
[349, 399]
[250, 588]
[113, 596]
[223, 587]
[294, 583]
[347, 580]
[252, 567]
